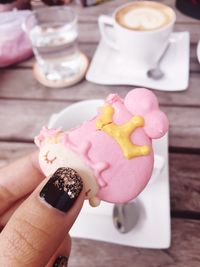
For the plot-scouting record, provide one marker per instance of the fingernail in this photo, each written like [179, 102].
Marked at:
[61, 261]
[62, 189]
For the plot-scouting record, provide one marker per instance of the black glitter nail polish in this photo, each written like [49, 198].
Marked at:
[62, 189]
[61, 261]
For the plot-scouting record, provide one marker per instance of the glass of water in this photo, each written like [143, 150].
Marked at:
[53, 33]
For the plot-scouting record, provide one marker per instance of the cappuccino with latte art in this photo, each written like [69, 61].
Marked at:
[144, 16]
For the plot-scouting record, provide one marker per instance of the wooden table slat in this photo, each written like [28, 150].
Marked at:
[31, 89]
[27, 124]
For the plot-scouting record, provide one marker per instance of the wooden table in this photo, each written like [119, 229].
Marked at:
[25, 106]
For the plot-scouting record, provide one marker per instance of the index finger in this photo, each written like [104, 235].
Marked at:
[19, 179]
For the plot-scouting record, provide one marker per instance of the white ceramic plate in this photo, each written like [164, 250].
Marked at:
[108, 68]
[153, 227]
[75, 114]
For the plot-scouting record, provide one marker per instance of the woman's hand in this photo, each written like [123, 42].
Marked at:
[35, 226]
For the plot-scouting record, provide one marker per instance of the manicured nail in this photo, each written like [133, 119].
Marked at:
[62, 189]
[61, 261]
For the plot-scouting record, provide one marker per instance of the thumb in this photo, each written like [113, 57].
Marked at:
[40, 224]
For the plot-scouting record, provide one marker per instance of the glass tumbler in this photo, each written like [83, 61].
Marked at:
[53, 33]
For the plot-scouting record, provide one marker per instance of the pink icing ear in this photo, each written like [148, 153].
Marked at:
[112, 98]
[156, 124]
[45, 133]
[121, 114]
[144, 103]
[140, 101]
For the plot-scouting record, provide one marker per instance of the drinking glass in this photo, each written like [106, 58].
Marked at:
[53, 33]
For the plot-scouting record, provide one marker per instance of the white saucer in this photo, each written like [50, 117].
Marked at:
[107, 68]
[153, 228]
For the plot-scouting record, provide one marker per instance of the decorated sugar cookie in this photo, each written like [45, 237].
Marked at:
[112, 152]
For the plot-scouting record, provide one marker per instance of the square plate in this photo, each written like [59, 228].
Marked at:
[108, 68]
[153, 228]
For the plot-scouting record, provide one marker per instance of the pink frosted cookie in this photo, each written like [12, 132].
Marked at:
[113, 151]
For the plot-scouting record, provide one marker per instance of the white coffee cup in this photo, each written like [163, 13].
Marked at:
[140, 46]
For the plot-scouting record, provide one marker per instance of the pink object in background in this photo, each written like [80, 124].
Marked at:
[14, 43]
[11, 4]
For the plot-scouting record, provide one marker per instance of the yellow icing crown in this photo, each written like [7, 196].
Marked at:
[54, 139]
[121, 133]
